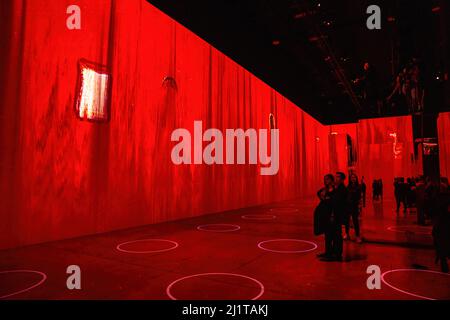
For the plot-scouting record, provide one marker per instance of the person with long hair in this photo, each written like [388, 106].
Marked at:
[354, 205]
[323, 213]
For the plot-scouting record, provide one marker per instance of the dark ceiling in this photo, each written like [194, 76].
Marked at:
[311, 50]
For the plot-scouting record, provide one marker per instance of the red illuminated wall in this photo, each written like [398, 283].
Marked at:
[380, 156]
[338, 145]
[444, 143]
[62, 177]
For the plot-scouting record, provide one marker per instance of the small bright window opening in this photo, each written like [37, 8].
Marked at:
[94, 91]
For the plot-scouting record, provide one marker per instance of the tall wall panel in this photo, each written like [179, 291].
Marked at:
[62, 177]
[386, 150]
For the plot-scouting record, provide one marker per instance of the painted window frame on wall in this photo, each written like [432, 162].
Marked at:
[100, 72]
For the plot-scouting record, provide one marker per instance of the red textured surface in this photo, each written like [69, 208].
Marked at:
[376, 151]
[444, 143]
[61, 177]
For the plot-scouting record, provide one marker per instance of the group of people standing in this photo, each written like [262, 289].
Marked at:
[419, 193]
[432, 202]
[407, 194]
[339, 204]
[408, 88]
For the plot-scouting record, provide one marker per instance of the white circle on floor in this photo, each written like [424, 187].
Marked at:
[231, 227]
[285, 209]
[401, 229]
[409, 270]
[41, 281]
[314, 246]
[261, 292]
[173, 243]
[259, 217]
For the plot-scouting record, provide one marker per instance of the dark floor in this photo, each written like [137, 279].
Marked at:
[383, 224]
[231, 264]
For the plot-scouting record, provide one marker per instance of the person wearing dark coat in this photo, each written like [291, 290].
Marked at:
[323, 212]
[333, 234]
[354, 202]
[431, 194]
[410, 196]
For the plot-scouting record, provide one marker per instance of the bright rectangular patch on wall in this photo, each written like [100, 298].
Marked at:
[93, 92]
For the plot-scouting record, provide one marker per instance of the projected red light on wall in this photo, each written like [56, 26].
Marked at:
[396, 146]
[93, 92]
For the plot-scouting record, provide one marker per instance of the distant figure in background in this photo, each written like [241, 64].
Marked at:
[396, 188]
[322, 214]
[377, 189]
[409, 89]
[333, 236]
[400, 194]
[363, 191]
[408, 192]
[370, 89]
[354, 206]
[441, 225]
[380, 188]
[420, 200]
